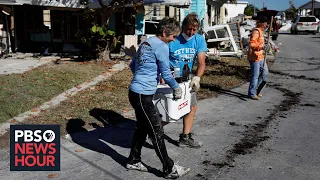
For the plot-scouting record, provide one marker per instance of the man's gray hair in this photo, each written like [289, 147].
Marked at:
[170, 25]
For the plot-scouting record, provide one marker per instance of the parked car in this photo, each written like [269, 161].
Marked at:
[307, 24]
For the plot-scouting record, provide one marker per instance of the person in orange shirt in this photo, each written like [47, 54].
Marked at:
[259, 71]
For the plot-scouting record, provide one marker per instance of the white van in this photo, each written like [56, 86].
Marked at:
[307, 24]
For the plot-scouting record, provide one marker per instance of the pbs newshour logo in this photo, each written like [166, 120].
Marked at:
[35, 148]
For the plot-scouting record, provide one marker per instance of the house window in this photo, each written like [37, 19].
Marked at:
[74, 25]
[156, 11]
[167, 11]
[46, 18]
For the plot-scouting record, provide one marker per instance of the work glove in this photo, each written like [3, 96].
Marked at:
[177, 93]
[196, 83]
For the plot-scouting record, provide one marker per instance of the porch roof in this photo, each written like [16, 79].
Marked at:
[9, 2]
[217, 2]
[308, 5]
[52, 3]
[168, 2]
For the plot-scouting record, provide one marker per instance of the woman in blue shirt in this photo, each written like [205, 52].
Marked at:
[151, 60]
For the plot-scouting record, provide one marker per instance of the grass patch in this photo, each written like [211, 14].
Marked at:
[111, 95]
[224, 75]
[22, 92]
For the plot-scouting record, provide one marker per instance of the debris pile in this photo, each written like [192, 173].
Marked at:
[233, 39]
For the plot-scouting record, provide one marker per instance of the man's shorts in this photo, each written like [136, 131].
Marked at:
[193, 99]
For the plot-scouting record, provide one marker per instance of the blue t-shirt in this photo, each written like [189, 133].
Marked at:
[151, 59]
[182, 51]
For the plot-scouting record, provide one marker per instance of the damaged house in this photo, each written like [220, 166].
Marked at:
[39, 26]
[36, 25]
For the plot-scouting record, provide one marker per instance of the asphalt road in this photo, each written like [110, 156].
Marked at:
[276, 137]
[290, 136]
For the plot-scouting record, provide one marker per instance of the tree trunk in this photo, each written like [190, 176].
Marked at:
[105, 55]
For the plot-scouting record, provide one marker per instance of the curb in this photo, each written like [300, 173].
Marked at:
[60, 98]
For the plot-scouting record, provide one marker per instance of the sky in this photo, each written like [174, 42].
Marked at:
[276, 4]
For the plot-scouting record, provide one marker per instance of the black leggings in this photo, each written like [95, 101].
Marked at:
[148, 122]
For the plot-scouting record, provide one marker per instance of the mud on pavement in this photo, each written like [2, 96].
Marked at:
[314, 62]
[254, 134]
[297, 77]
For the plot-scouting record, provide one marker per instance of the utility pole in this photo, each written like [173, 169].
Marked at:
[254, 7]
[313, 7]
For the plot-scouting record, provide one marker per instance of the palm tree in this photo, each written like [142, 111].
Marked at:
[291, 13]
[249, 10]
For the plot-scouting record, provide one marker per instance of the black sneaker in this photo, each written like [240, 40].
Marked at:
[177, 171]
[186, 140]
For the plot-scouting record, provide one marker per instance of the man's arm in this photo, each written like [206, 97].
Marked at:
[201, 63]
[201, 54]
[202, 49]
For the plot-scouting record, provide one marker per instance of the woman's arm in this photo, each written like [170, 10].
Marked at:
[162, 55]
[255, 43]
[133, 64]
